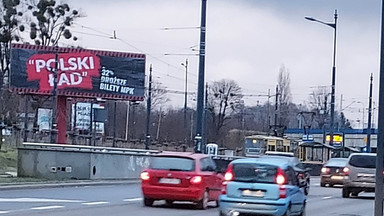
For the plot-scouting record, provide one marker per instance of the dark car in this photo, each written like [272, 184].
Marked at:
[333, 172]
[181, 176]
[301, 171]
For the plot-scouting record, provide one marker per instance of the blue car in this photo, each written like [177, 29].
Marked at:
[261, 186]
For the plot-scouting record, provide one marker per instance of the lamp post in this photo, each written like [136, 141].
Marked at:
[333, 25]
[200, 88]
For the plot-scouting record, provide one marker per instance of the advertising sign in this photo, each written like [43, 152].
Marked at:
[81, 116]
[80, 72]
[44, 119]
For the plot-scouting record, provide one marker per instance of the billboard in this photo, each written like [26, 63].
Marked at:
[81, 72]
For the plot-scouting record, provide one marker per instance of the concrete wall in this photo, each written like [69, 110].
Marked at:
[80, 162]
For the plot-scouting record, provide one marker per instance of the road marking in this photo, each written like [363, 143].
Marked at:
[37, 200]
[4, 212]
[327, 197]
[47, 207]
[95, 203]
[133, 199]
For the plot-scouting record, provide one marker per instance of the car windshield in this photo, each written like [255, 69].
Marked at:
[336, 162]
[257, 173]
[363, 161]
[173, 163]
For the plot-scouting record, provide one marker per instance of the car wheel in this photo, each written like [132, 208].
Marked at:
[302, 213]
[345, 193]
[288, 212]
[331, 185]
[355, 194]
[322, 184]
[306, 189]
[217, 203]
[203, 203]
[148, 202]
[169, 202]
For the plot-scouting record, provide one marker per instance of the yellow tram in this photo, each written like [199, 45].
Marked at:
[256, 145]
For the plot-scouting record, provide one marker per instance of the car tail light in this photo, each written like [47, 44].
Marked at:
[144, 176]
[346, 171]
[280, 177]
[325, 170]
[282, 192]
[196, 180]
[228, 176]
[224, 188]
[229, 173]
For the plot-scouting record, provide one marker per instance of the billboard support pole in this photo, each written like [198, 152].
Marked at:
[54, 93]
[114, 124]
[148, 136]
[26, 119]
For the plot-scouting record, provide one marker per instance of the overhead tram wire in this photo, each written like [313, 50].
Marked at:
[106, 35]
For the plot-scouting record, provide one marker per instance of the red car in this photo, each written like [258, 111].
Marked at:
[185, 176]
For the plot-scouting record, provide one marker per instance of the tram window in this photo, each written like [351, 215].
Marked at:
[271, 148]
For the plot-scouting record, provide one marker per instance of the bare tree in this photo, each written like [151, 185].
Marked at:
[50, 21]
[318, 103]
[10, 18]
[158, 94]
[223, 98]
[285, 99]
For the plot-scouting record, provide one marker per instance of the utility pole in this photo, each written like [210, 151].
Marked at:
[148, 136]
[369, 116]
[54, 93]
[276, 109]
[379, 195]
[185, 100]
[204, 134]
[200, 89]
[325, 116]
[269, 110]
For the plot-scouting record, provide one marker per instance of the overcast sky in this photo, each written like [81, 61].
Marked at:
[247, 41]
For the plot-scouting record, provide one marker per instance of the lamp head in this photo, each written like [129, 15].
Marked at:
[310, 18]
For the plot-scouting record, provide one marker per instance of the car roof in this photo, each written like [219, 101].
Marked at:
[284, 154]
[366, 154]
[191, 155]
[276, 161]
[341, 159]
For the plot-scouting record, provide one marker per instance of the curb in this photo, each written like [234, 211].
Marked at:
[40, 185]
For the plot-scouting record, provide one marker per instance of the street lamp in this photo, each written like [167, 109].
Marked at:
[333, 25]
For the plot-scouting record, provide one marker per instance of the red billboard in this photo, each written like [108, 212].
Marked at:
[81, 72]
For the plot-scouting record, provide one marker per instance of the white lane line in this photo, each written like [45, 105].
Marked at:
[47, 207]
[327, 197]
[95, 203]
[132, 199]
[4, 212]
[37, 200]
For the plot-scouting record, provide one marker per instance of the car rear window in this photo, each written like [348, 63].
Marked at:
[363, 161]
[257, 173]
[172, 164]
[336, 162]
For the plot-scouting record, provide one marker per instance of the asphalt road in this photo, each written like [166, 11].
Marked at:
[119, 200]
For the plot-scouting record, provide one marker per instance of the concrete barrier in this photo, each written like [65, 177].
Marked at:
[57, 162]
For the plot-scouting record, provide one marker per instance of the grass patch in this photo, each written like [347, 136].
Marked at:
[8, 160]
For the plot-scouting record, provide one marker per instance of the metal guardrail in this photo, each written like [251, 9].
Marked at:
[45, 146]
